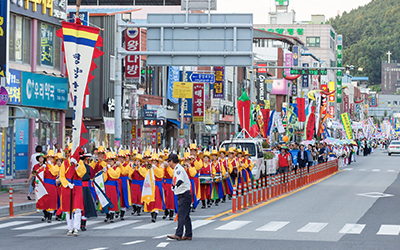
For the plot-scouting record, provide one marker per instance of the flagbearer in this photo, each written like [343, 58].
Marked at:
[40, 188]
[111, 174]
[50, 175]
[71, 174]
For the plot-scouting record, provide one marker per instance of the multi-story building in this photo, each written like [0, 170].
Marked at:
[390, 77]
[36, 84]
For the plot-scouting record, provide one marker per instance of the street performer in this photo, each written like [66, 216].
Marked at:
[71, 173]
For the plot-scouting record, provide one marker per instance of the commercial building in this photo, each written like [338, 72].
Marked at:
[390, 77]
[36, 86]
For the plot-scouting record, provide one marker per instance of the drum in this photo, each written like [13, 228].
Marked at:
[206, 179]
[217, 179]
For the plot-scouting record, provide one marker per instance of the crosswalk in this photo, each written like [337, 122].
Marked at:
[213, 225]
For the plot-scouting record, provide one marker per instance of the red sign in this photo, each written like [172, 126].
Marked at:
[324, 87]
[332, 111]
[262, 70]
[132, 62]
[301, 106]
[198, 102]
[153, 137]
[310, 126]
[133, 140]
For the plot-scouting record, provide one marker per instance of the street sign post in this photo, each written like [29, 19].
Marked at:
[204, 78]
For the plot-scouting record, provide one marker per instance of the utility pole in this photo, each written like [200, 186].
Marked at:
[117, 86]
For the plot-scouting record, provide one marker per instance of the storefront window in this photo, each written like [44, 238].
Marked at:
[47, 45]
[18, 38]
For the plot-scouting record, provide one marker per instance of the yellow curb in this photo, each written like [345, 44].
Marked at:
[16, 216]
[268, 202]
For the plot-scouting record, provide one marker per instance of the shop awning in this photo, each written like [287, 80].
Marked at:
[178, 123]
[28, 113]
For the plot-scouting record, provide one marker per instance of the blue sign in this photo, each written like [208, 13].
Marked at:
[4, 6]
[295, 56]
[14, 87]
[188, 106]
[9, 147]
[206, 78]
[294, 155]
[44, 91]
[150, 114]
[21, 144]
[173, 76]
[83, 16]
[373, 101]
[305, 78]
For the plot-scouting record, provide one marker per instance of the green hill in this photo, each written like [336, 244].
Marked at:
[369, 32]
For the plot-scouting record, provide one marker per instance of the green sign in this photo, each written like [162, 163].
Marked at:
[314, 72]
[282, 2]
[289, 31]
[339, 72]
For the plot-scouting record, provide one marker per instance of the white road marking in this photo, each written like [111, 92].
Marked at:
[99, 248]
[160, 237]
[154, 225]
[133, 242]
[312, 227]
[376, 170]
[347, 169]
[13, 223]
[389, 230]
[352, 229]
[273, 226]
[88, 223]
[34, 226]
[233, 225]
[199, 223]
[362, 169]
[163, 244]
[117, 224]
[391, 170]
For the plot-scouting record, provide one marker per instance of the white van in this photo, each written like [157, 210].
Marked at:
[254, 147]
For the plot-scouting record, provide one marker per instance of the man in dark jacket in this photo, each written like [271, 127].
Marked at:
[302, 157]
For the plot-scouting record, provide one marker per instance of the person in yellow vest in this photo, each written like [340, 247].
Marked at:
[153, 194]
[197, 163]
[59, 161]
[99, 163]
[217, 192]
[123, 182]
[226, 179]
[111, 175]
[248, 164]
[206, 180]
[138, 175]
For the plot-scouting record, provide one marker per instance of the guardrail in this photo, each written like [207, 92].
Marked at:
[275, 185]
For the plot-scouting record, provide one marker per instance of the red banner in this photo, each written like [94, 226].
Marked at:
[301, 106]
[310, 126]
[265, 114]
[198, 102]
[132, 62]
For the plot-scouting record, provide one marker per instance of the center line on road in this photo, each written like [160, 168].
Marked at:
[163, 244]
[362, 169]
[376, 170]
[312, 227]
[389, 230]
[391, 170]
[273, 226]
[233, 225]
[352, 229]
[133, 242]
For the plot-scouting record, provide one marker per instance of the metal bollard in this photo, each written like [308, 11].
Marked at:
[10, 192]
[234, 200]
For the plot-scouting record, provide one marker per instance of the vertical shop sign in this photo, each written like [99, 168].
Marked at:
[132, 62]
[198, 102]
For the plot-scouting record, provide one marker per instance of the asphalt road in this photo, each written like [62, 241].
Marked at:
[357, 208]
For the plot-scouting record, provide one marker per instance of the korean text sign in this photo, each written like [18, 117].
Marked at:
[198, 102]
[44, 91]
[132, 62]
[219, 84]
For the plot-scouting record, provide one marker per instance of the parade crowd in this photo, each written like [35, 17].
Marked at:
[111, 182]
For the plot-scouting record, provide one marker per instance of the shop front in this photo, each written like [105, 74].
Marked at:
[36, 110]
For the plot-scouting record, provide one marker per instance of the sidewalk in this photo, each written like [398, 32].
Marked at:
[20, 200]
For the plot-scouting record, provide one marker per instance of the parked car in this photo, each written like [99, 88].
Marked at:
[254, 147]
[394, 148]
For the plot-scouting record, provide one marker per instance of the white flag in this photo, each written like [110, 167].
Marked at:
[39, 186]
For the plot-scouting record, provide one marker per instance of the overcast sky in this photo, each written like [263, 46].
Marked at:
[303, 8]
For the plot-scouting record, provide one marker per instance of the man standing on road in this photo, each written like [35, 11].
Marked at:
[181, 187]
